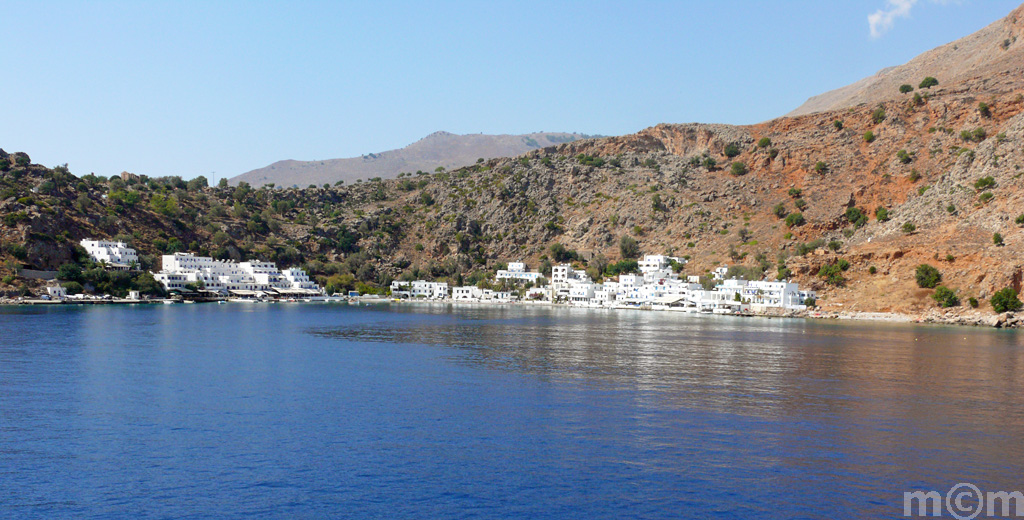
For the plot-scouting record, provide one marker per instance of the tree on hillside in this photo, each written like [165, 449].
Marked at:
[906, 89]
[628, 247]
[928, 82]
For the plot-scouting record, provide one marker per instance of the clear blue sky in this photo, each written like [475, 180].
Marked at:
[189, 88]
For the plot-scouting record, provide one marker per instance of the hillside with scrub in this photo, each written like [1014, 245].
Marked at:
[849, 201]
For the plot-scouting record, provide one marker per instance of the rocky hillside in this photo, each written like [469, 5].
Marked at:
[439, 149]
[992, 60]
[848, 201]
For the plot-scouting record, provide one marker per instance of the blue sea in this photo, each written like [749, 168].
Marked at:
[438, 411]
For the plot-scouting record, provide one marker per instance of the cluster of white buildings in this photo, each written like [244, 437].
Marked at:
[656, 286]
[252, 278]
[115, 255]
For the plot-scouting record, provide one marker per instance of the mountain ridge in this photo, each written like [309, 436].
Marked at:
[438, 149]
[998, 47]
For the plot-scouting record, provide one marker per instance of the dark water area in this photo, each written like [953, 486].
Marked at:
[435, 411]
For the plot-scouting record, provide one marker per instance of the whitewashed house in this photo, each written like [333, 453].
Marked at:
[517, 271]
[116, 255]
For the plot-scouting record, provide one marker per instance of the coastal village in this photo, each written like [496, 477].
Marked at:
[657, 285]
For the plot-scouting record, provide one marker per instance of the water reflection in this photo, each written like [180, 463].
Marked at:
[947, 392]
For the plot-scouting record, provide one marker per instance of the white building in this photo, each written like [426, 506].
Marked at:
[420, 289]
[116, 255]
[229, 277]
[517, 271]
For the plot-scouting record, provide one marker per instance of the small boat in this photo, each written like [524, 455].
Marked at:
[169, 302]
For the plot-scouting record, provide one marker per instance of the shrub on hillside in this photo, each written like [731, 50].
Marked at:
[928, 82]
[795, 219]
[945, 297]
[738, 169]
[731, 150]
[1005, 300]
[927, 277]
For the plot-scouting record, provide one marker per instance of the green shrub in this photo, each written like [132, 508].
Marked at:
[731, 150]
[800, 204]
[914, 176]
[837, 124]
[984, 183]
[795, 192]
[927, 277]
[780, 210]
[764, 142]
[951, 209]
[1005, 300]
[872, 270]
[979, 134]
[738, 169]
[945, 297]
[856, 217]
[833, 273]
[584, 159]
[795, 219]
[984, 109]
[773, 153]
[997, 239]
[835, 245]
[906, 89]
[904, 156]
[710, 163]
[869, 136]
[882, 214]
[1020, 219]
[985, 197]
[973, 302]
[928, 82]
[820, 167]
[878, 115]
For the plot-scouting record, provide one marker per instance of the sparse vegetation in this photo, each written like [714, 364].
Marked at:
[1005, 300]
[878, 115]
[764, 142]
[997, 239]
[795, 219]
[945, 297]
[731, 150]
[869, 136]
[780, 210]
[928, 82]
[906, 89]
[927, 276]
[738, 169]
[908, 227]
[881, 214]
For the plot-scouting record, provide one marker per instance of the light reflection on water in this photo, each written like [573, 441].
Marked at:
[495, 411]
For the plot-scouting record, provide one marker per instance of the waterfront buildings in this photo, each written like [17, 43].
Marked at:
[115, 255]
[251, 278]
[657, 286]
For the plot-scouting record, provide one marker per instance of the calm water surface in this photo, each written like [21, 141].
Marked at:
[420, 411]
